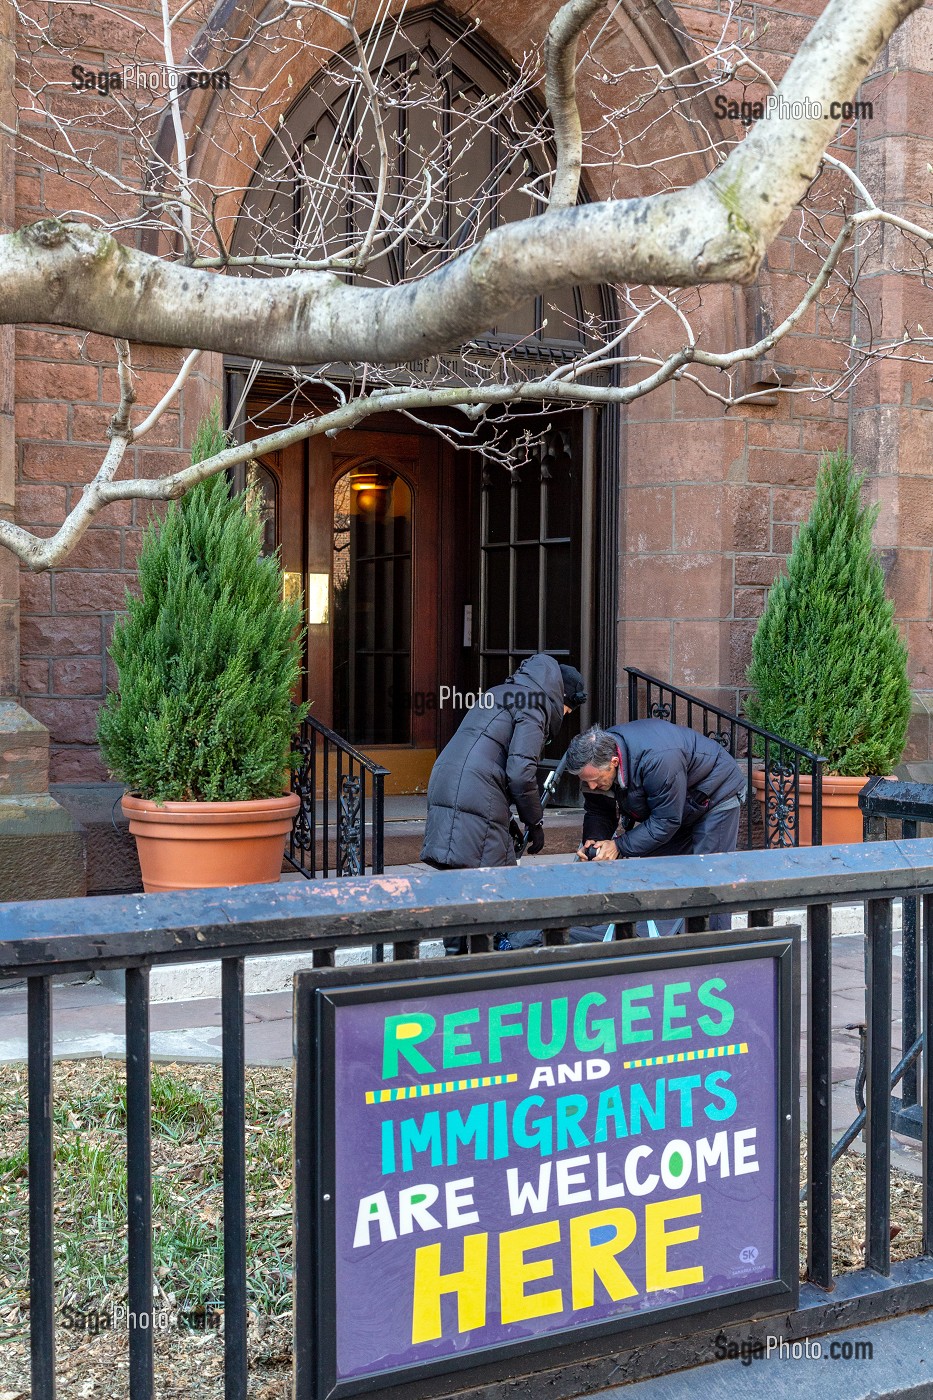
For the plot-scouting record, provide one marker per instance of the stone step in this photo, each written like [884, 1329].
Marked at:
[403, 839]
[874, 1361]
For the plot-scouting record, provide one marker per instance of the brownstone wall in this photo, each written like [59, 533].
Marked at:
[9, 571]
[892, 422]
[66, 394]
[710, 498]
[701, 492]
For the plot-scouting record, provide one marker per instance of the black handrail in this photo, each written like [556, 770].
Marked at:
[781, 766]
[321, 831]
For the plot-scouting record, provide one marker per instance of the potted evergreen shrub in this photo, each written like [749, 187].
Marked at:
[829, 668]
[208, 658]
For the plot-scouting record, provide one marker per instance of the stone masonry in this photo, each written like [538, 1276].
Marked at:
[710, 498]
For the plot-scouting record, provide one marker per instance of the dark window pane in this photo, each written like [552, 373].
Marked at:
[361, 717]
[495, 670]
[364, 621]
[392, 521]
[526, 598]
[401, 599]
[383, 679]
[496, 636]
[498, 497]
[528, 513]
[400, 540]
[392, 604]
[560, 487]
[399, 713]
[372, 607]
[558, 615]
[361, 531]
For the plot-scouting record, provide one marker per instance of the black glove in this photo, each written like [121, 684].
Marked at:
[536, 843]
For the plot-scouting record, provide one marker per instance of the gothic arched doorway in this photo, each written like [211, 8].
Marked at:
[506, 552]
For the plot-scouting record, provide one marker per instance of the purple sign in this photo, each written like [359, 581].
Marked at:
[529, 1152]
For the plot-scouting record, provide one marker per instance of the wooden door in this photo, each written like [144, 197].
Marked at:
[386, 592]
[384, 621]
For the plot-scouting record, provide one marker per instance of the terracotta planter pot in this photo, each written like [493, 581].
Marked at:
[197, 845]
[842, 819]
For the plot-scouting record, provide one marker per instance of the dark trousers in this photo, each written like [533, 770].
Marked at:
[453, 947]
[717, 831]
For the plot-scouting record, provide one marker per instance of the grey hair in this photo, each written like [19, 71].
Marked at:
[594, 747]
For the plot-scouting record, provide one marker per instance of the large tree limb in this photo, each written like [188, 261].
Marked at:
[562, 385]
[714, 231]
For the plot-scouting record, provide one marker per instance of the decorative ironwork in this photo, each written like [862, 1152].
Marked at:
[660, 711]
[342, 794]
[350, 827]
[781, 805]
[725, 738]
[302, 837]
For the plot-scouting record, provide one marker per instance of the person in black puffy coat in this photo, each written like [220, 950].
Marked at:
[490, 765]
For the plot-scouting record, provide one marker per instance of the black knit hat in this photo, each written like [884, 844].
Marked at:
[574, 687]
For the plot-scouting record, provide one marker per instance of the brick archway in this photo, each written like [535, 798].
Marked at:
[694, 648]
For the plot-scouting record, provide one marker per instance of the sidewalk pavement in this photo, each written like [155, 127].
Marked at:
[88, 1016]
[892, 1359]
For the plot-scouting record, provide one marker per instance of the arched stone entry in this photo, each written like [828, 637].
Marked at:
[504, 560]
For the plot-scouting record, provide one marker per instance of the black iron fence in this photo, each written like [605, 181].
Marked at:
[53, 937]
[342, 812]
[780, 764]
[905, 805]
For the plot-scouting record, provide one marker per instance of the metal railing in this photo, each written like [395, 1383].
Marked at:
[342, 796]
[779, 762]
[882, 801]
[40, 939]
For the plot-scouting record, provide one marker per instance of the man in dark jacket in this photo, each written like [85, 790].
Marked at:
[652, 788]
[491, 764]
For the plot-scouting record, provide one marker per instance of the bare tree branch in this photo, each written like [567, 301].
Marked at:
[561, 386]
[167, 398]
[379, 348]
[560, 90]
[716, 230]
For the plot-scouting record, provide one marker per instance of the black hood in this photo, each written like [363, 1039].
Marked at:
[541, 673]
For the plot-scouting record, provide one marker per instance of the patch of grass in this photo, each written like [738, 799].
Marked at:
[187, 1187]
[179, 1109]
[16, 1164]
[99, 1103]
